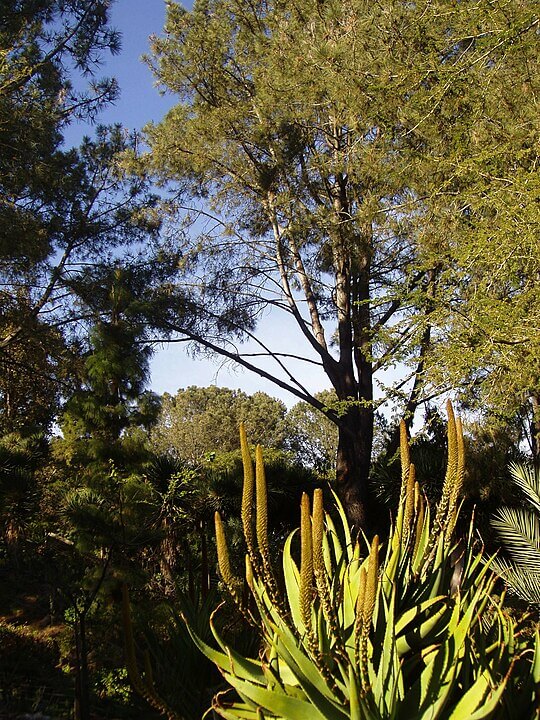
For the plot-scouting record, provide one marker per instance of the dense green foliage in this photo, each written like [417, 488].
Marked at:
[311, 436]
[364, 175]
[197, 421]
[66, 215]
[347, 154]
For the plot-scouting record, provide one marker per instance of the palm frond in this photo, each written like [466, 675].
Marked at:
[520, 581]
[527, 478]
[519, 531]
[81, 498]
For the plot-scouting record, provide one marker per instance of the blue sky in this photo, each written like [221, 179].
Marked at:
[139, 103]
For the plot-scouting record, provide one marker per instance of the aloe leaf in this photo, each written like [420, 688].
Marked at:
[301, 665]
[389, 573]
[419, 556]
[331, 533]
[412, 614]
[454, 649]
[292, 584]
[427, 696]
[354, 700]
[249, 669]
[285, 706]
[246, 668]
[273, 679]
[349, 546]
[358, 710]
[327, 552]
[387, 683]
[410, 638]
[222, 660]
[349, 593]
[286, 674]
[269, 612]
[237, 711]
[470, 617]
[473, 705]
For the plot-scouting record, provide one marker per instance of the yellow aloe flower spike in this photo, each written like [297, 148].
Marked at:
[306, 563]
[261, 503]
[409, 502]
[223, 554]
[458, 479]
[405, 455]
[359, 619]
[372, 580]
[247, 493]
[442, 517]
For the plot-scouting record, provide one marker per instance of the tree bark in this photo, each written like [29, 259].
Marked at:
[355, 439]
[82, 687]
[535, 429]
[415, 396]
[205, 572]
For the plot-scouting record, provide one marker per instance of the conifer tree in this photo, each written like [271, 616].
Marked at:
[332, 141]
[112, 398]
[63, 212]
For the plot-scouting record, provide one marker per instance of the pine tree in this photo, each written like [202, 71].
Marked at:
[112, 398]
[335, 143]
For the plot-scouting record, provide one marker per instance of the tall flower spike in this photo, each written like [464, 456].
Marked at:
[458, 480]
[372, 580]
[359, 619]
[409, 502]
[460, 469]
[452, 443]
[405, 456]
[249, 572]
[232, 583]
[441, 518]
[321, 579]
[306, 562]
[223, 555]
[261, 506]
[420, 511]
[247, 492]
[368, 608]
[261, 525]
[318, 533]
[365, 606]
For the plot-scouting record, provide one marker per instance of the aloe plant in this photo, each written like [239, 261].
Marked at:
[410, 629]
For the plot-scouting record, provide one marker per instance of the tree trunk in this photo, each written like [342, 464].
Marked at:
[205, 570]
[535, 429]
[82, 690]
[353, 375]
[355, 439]
[191, 577]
